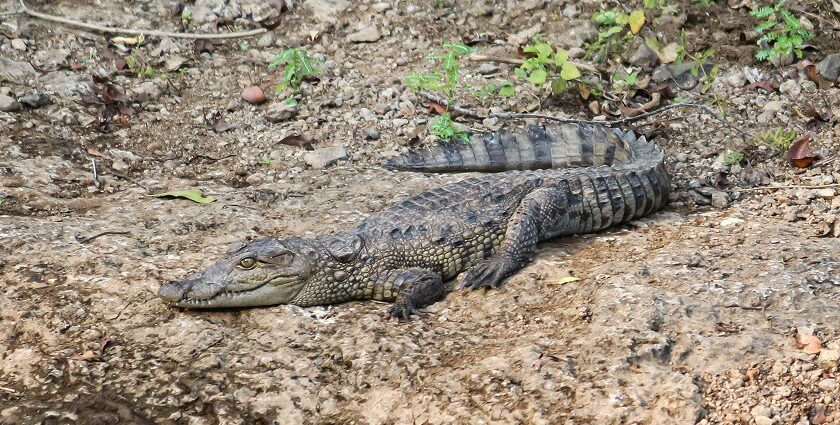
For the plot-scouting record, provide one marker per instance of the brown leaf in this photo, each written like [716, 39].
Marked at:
[437, 108]
[817, 415]
[298, 140]
[94, 152]
[88, 355]
[218, 124]
[809, 344]
[800, 153]
[764, 85]
[811, 71]
[758, 176]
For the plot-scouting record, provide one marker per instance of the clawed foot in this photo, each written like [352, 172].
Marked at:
[400, 310]
[487, 273]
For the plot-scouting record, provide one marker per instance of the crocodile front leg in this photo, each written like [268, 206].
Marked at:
[411, 288]
[542, 212]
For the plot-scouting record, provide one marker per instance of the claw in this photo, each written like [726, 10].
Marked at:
[401, 312]
[488, 273]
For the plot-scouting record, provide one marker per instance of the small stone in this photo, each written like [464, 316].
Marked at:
[829, 384]
[791, 88]
[571, 11]
[829, 68]
[8, 104]
[365, 35]
[643, 56]
[720, 199]
[36, 100]
[19, 44]
[17, 71]
[487, 68]
[147, 91]
[761, 410]
[731, 222]
[736, 79]
[174, 63]
[825, 193]
[372, 133]
[828, 358]
[280, 112]
[763, 420]
[774, 106]
[253, 95]
[324, 157]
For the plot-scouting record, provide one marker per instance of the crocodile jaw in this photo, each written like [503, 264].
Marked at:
[189, 294]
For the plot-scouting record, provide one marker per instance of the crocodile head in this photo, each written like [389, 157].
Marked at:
[264, 272]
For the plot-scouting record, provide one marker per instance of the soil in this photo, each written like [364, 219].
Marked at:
[690, 315]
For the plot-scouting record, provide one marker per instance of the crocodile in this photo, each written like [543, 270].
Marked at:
[538, 182]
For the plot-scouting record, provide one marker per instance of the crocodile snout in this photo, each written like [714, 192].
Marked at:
[173, 291]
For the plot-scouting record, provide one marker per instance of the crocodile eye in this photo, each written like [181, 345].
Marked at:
[247, 263]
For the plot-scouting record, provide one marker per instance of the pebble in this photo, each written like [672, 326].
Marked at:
[828, 358]
[829, 384]
[19, 44]
[36, 100]
[829, 68]
[254, 95]
[280, 112]
[774, 106]
[8, 104]
[324, 157]
[372, 133]
[731, 222]
[791, 88]
[365, 35]
[825, 193]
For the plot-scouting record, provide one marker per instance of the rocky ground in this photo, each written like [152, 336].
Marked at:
[722, 308]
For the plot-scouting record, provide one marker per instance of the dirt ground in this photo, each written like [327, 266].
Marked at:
[690, 315]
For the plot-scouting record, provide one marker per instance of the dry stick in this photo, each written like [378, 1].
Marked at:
[86, 239]
[611, 123]
[152, 33]
[753, 189]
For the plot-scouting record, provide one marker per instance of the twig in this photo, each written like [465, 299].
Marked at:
[606, 123]
[208, 158]
[8, 390]
[86, 239]
[753, 189]
[517, 61]
[745, 307]
[151, 33]
[831, 25]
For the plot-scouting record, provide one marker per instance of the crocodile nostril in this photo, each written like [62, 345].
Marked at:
[172, 290]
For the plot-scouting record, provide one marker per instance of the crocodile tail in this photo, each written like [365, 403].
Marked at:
[532, 147]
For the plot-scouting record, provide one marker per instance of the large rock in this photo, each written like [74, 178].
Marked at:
[8, 104]
[324, 157]
[829, 67]
[15, 71]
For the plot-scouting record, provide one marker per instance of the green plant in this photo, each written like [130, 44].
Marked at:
[778, 138]
[134, 65]
[265, 160]
[547, 63]
[298, 65]
[615, 30]
[780, 31]
[446, 79]
[186, 15]
[243, 46]
[732, 158]
[444, 128]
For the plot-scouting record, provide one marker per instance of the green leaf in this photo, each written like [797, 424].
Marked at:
[558, 86]
[561, 57]
[538, 77]
[636, 21]
[460, 49]
[565, 280]
[191, 194]
[569, 71]
[506, 89]
[520, 73]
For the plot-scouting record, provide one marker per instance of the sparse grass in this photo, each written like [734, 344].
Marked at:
[444, 128]
[547, 64]
[778, 138]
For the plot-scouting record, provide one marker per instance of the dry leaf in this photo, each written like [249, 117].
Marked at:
[94, 152]
[191, 194]
[437, 108]
[764, 85]
[298, 140]
[129, 40]
[800, 153]
[809, 344]
[565, 280]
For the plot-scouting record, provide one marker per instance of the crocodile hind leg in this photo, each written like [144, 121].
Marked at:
[541, 212]
[414, 288]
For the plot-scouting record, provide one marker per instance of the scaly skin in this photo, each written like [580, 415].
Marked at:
[482, 229]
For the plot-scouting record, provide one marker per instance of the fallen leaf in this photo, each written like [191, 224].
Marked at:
[800, 153]
[191, 194]
[811, 71]
[201, 46]
[298, 140]
[764, 85]
[94, 152]
[817, 415]
[437, 108]
[129, 40]
[636, 21]
[567, 279]
[88, 355]
[809, 344]
[668, 53]
[217, 122]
